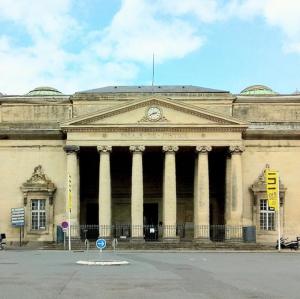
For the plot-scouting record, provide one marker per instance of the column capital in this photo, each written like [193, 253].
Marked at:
[201, 149]
[170, 148]
[104, 148]
[70, 149]
[137, 148]
[236, 149]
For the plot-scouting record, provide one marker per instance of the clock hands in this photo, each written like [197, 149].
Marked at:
[154, 113]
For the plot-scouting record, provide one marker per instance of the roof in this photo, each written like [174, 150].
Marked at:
[156, 88]
[258, 90]
[44, 91]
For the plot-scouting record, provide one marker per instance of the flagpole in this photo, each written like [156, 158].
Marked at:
[69, 229]
[69, 207]
[152, 71]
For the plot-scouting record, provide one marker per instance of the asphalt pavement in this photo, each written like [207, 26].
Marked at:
[55, 274]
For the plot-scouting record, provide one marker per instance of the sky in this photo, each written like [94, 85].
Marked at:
[76, 45]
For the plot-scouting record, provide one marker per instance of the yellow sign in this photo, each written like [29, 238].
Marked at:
[272, 183]
[69, 192]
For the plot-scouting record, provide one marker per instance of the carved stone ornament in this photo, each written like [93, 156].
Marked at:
[137, 148]
[259, 187]
[38, 183]
[104, 148]
[170, 148]
[203, 149]
[236, 149]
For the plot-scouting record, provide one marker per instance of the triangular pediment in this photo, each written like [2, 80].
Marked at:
[156, 111]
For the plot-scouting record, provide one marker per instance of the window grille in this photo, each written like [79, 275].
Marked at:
[267, 216]
[38, 214]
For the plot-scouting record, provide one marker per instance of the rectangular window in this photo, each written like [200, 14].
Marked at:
[267, 216]
[38, 214]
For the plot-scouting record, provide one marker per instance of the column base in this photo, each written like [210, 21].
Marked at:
[175, 239]
[108, 239]
[201, 241]
[137, 240]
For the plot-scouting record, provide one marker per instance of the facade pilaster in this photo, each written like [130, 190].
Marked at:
[169, 193]
[137, 193]
[73, 181]
[104, 191]
[236, 208]
[201, 194]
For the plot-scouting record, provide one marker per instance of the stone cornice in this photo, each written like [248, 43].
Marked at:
[284, 99]
[155, 129]
[132, 96]
[271, 135]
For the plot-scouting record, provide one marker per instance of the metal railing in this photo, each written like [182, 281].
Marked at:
[184, 232]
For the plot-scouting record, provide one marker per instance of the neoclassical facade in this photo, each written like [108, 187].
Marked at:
[168, 163]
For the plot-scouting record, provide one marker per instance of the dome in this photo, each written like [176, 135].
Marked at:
[44, 91]
[258, 90]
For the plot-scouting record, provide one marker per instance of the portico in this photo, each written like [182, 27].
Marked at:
[160, 129]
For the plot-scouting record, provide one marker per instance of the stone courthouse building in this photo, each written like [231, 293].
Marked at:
[170, 162]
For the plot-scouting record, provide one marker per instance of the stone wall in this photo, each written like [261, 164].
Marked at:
[17, 162]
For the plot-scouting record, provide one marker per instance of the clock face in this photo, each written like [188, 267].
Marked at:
[154, 113]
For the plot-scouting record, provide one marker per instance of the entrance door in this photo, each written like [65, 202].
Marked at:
[151, 221]
[92, 213]
[150, 214]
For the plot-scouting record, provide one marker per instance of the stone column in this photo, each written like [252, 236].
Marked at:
[104, 191]
[169, 194]
[228, 189]
[235, 212]
[201, 194]
[137, 193]
[73, 177]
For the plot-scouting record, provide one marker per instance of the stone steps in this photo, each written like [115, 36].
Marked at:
[80, 245]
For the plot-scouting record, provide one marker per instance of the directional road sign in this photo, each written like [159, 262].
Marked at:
[100, 243]
[18, 216]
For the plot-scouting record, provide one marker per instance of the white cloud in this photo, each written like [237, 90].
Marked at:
[45, 18]
[205, 11]
[141, 28]
[110, 56]
[284, 15]
[46, 61]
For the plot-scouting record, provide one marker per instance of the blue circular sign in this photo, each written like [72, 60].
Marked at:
[100, 243]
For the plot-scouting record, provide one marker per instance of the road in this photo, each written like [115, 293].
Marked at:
[55, 274]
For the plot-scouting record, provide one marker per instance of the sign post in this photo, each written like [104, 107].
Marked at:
[65, 226]
[272, 184]
[69, 207]
[18, 219]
